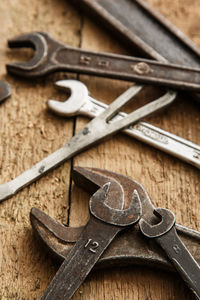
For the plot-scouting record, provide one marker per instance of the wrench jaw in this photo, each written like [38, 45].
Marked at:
[154, 231]
[103, 211]
[71, 107]
[29, 68]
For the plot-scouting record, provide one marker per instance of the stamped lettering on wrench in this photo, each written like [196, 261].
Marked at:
[152, 134]
[85, 60]
[93, 245]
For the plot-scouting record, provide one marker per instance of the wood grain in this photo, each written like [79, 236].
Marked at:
[29, 133]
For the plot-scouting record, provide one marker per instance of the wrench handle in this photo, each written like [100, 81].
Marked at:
[182, 259]
[125, 68]
[92, 242]
[149, 134]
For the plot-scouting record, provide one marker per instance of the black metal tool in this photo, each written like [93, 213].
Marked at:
[128, 248]
[52, 56]
[5, 90]
[104, 224]
[166, 236]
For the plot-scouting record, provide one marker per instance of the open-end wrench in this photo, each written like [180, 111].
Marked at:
[52, 56]
[164, 233]
[80, 103]
[95, 131]
[104, 224]
[5, 90]
[129, 248]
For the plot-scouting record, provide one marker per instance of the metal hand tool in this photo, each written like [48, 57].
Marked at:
[129, 248]
[52, 56]
[95, 131]
[104, 224]
[164, 233]
[80, 103]
[5, 90]
[144, 29]
[140, 26]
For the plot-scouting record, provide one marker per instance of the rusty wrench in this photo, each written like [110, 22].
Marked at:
[128, 248]
[52, 56]
[80, 103]
[5, 90]
[104, 224]
[164, 233]
[95, 131]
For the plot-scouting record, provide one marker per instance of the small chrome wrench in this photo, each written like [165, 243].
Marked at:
[166, 236]
[95, 131]
[104, 224]
[80, 103]
[52, 56]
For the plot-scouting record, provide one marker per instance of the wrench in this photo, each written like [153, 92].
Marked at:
[80, 103]
[5, 90]
[128, 248]
[166, 236]
[95, 131]
[52, 56]
[104, 224]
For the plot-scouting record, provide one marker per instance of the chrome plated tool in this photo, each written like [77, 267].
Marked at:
[80, 103]
[95, 131]
[130, 247]
[104, 224]
[164, 233]
[5, 90]
[52, 56]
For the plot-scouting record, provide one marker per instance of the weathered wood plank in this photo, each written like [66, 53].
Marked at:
[29, 133]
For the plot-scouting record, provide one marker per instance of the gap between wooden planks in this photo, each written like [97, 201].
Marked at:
[29, 133]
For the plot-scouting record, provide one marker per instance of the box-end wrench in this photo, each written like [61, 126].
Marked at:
[129, 248]
[52, 56]
[104, 224]
[5, 90]
[80, 103]
[164, 233]
[95, 131]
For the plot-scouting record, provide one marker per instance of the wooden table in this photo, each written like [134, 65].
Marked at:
[29, 133]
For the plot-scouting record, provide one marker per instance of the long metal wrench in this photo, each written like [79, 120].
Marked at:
[95, 131]
[127, 249]
[80, 103]
[166, 236]
[104, 224]
[52, 56]
[141, 27]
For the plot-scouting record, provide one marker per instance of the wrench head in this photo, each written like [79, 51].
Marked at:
[59, 239]
[167, 222]
[5, 90]
[105, 213]
[78, 97]
[39, 65]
